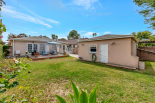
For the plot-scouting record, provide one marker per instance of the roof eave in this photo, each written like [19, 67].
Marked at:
[110, 38]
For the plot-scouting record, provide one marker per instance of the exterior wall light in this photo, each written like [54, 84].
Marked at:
[112, 43]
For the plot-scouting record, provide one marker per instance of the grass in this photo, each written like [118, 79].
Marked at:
[53, 76]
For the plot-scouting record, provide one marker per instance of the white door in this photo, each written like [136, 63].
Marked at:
[104, 53]
[58, 49]
[47, 49]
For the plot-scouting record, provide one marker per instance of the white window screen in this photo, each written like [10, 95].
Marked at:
[93, 48]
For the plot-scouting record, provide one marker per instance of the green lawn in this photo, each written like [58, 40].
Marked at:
[53, 76]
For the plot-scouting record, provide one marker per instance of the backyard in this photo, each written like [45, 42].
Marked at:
[53, 76]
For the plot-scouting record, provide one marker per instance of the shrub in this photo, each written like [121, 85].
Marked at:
[10, 68]
[6, 50]
[81, 96]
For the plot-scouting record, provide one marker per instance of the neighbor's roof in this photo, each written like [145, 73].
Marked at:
[33, 38]
[109, 36]
[72, 41]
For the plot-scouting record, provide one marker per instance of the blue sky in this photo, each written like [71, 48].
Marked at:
[46, 17]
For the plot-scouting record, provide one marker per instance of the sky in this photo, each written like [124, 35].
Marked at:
[46, 17]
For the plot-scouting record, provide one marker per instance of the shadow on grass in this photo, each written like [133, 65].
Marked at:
[149, 70]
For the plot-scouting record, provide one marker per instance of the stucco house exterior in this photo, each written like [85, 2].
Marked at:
[118, 50]
[38, 43]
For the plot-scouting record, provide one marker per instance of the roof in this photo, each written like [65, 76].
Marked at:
[108, 36]
[72, 41]
[33, 38]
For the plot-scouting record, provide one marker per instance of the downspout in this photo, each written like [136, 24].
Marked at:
[13, 48]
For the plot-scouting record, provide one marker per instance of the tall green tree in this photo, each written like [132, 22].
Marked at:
[73, 35]
[148, 11]
[54, 37]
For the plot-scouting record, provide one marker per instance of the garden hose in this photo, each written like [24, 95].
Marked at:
[94, 57]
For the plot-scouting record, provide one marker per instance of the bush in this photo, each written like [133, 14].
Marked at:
[1, 51]
[6, 50]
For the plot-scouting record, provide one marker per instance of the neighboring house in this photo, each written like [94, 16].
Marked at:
[71, 45]
[120, 50]
[34, 43]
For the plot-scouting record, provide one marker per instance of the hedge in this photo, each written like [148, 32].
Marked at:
[1, 51]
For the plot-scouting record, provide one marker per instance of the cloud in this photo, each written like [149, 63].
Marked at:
[81, 31]
[88, 34]
[107, 32]
[87, 4]
[8, 10]
[5, 36]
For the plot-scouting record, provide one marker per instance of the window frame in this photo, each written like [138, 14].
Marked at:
[33, 47]
[91, 46]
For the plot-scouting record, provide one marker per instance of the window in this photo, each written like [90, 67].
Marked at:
[42, 47]
[30, 48]
[53, 47]
[60, 46]
[93, 48]
[35, 48]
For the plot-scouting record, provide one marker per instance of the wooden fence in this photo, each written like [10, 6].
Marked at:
[146, 53]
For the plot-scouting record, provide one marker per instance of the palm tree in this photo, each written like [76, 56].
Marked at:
[94, 34]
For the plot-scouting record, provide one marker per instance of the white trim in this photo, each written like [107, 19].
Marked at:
[96, 48]
[33, 47]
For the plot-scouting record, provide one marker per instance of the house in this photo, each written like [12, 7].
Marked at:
[34, 43]
[39, 44]
[72, 45]
[116, 50]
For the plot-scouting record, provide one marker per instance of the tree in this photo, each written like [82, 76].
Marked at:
[54, 37]
[45, 36]
[133, 33]
[148, 9]
[73, 35]
[23, 35]
[62, 38]
[2, 26]
[94, 34]
[144, 35]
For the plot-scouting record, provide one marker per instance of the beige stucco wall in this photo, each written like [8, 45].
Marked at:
[118, 53]
[22, 46]
[133, 47]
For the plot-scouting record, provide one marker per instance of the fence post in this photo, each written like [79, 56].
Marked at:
[1, 52]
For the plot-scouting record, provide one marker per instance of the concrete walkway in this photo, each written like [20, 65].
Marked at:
[74, 55]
